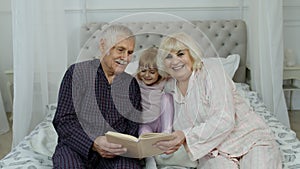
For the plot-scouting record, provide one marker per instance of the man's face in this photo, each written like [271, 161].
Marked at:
[118, 57]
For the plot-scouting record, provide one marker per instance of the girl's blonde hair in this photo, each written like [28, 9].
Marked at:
[148, 60]
[176, 42]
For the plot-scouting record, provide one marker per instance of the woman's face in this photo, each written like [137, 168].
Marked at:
[149, 75]
[179, 64]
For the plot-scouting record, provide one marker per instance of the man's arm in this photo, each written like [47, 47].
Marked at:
[65, 121]
[110, 150]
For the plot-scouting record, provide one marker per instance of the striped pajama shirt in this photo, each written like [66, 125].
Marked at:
[88, 106]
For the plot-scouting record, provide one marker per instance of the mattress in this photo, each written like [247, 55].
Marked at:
[36, 150]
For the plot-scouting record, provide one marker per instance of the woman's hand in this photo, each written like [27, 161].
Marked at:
[170, 146]
[107, 149]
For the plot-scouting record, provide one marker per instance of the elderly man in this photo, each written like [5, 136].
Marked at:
[97, 96]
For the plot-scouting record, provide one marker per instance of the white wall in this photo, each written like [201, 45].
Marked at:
[113, 9]
[6, 59]
[291, 35]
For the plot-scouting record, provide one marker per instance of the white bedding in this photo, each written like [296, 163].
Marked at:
[36, 150]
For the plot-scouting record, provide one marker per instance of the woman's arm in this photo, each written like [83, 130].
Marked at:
[211, 125]
[220, 113]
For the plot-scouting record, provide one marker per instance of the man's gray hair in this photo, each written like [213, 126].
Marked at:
[114, 33]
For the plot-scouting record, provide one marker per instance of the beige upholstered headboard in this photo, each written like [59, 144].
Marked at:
[227, 36]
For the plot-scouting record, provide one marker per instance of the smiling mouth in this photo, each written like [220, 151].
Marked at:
[175, 68]
[121, 62]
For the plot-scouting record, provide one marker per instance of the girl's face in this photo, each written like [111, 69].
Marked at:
[149, 75]
[179, 64]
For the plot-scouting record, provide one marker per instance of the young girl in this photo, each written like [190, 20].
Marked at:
[157, 105]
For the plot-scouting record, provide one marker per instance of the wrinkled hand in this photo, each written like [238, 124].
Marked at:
[170, 146]
[107, 149]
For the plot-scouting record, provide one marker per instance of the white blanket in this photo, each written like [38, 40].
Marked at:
[36, 150]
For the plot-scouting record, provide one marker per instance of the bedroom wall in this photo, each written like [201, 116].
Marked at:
[114, 9]
[6, 59]
[291, 36]
[291, 22]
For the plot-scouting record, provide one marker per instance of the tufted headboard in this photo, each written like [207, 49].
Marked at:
[216, 38]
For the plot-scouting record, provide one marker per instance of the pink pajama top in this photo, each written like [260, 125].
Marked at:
[213, 116]
[158, 109]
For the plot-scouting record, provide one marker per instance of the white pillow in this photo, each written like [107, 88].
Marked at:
[132, 67]
[230, 64]
[44, 140]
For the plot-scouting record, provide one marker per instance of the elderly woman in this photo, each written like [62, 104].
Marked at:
[212, 121]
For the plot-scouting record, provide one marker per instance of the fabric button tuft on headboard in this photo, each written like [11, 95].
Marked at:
[227, 36]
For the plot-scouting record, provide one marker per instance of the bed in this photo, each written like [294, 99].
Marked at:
[227, 36]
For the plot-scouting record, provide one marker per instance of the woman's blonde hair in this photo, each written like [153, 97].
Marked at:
[176, 42]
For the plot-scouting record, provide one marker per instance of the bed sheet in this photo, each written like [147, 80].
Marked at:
[36, 150]
[289, 144]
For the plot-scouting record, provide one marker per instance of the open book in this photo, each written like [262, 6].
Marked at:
[138, 147]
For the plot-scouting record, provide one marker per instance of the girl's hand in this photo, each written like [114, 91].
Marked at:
[170, 146]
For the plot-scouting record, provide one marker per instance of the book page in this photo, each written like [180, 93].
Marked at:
[127, 141]
[138, 147]
[121, 136]
[154, 135]
[148, 139]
